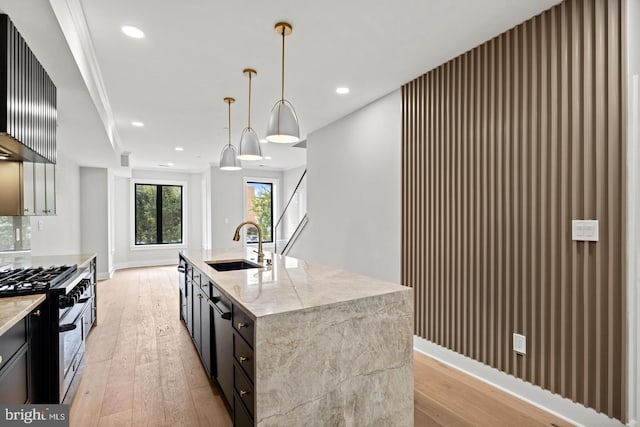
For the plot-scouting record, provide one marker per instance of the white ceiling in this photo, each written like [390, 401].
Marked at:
[174, 80]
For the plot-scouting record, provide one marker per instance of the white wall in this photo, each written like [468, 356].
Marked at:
[124, 255]
[353, 168]
[290, 179]
[633, 206]
[94, 219]
[60, 234]
[227, 193]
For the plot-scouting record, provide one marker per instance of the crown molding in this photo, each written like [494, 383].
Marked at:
[73, 23]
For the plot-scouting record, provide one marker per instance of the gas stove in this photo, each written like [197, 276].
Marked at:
[27, 281]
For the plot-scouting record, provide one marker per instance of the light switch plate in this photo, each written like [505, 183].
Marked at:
[585, 230]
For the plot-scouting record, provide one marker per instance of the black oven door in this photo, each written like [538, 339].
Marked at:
[71, 345]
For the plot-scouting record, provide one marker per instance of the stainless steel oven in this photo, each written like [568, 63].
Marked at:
[71, 313]
[72, 332]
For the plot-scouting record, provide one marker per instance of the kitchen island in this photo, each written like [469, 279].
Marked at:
[312, 345]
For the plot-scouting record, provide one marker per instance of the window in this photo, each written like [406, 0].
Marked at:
[259, 209]
[158, 214]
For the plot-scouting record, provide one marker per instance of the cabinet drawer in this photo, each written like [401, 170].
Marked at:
[243, 387]
[243, 355]
[243, 324]
[241, 418]
[14, 380]
[12, 340]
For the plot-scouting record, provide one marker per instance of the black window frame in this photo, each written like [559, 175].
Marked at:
[272, 185]
[158, 214]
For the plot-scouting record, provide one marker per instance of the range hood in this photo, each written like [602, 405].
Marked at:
[27, 101]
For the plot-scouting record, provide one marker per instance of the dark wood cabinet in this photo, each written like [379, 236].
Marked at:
[203, 341]
[241, 417]
[14, 378]
[188, 320]
[196, 311]
[223, 345]
[18, 366]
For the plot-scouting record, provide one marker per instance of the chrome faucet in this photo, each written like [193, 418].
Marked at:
[236, 237]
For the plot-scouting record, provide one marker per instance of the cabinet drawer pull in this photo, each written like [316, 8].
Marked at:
[0, 359]
[36, 313]
[242, 325]
[242, 393]
[243, 359]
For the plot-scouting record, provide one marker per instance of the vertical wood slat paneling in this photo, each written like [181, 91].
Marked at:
[29, 113]
[502, 147]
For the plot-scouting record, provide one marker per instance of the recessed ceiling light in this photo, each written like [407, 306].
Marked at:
[267, 157]
[169, 164]
[342, 90]
[179, 149]
[137, 124]
[133, 32]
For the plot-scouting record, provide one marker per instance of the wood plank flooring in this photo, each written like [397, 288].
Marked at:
[143, 370]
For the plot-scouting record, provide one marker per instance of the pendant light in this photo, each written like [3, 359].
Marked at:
[249, 142]
[283, 121]
[228, 158]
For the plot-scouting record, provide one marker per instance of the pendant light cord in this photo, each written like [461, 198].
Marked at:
[283, 31]
[249, 120]
[229, 104]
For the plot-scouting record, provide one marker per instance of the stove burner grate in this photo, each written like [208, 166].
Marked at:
[28, 281]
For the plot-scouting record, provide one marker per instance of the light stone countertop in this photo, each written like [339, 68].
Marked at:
[290, 284]
[20, 260]
[14, 309]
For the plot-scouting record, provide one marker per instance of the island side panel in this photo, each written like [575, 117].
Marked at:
[344, 364]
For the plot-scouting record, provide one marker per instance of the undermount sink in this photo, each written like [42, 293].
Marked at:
[235, 264]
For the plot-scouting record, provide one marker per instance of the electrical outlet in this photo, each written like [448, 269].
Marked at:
[519, 343]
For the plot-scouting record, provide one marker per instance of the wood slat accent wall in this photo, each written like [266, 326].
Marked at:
[502, 147]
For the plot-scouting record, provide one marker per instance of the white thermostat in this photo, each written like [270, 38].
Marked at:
[584, 230]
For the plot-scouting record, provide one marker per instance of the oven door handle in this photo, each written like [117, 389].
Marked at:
[65, 327]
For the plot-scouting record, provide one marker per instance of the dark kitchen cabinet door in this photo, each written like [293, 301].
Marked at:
[14, 378]
[197, 318]
[205, 330]
[189, 311]
[223, 348]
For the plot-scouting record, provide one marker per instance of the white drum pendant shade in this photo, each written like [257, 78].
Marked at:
[249, 142]
[250, 146]
[283, 124]
[228, 159]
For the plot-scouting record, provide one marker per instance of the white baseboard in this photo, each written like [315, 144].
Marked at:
[557, 405]
[145, 263]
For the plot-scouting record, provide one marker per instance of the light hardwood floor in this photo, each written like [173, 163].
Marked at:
[142, 370]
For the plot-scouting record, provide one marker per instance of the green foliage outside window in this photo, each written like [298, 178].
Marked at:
[262, 207]
[158, 214]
